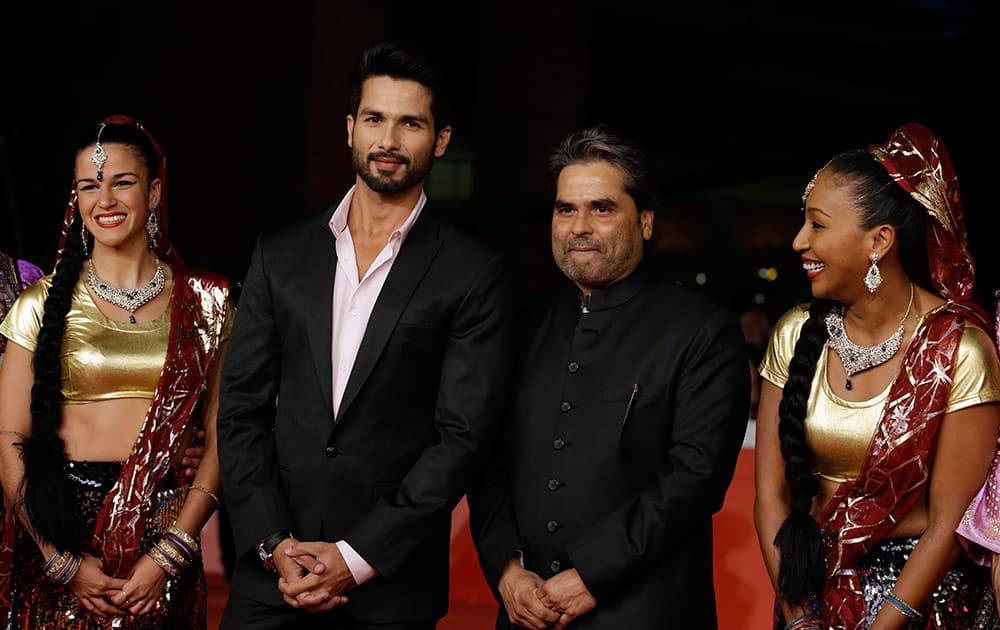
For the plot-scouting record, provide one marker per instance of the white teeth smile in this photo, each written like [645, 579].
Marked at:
[111, 219]
[810, 266]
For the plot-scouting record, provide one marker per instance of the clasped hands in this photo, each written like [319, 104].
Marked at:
[538, 604]
[313, 575]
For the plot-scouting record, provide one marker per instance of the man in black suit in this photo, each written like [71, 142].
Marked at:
[364, 378]
[626, 422]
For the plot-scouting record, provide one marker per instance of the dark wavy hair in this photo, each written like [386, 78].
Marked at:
[48, 497]
[879, 200]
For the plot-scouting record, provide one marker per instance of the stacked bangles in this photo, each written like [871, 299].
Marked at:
[174, 550]
[61, 567]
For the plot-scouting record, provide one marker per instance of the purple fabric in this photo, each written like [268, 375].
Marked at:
[28, 272]
[979, 530]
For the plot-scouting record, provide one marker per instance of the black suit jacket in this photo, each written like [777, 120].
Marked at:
[421, 403]
[622, 439]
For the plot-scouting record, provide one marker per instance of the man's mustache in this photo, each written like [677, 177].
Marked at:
[380, 155]
[576, 242]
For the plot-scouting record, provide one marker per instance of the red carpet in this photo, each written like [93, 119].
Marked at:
[743, 592]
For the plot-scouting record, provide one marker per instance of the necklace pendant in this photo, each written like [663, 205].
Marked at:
[131, 320]
[847, 384]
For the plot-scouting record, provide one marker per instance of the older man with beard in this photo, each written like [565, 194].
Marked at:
[625, 426]
[365, 375]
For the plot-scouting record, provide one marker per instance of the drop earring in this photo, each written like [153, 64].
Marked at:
[873, 279]
[83, 237]
[152, 226]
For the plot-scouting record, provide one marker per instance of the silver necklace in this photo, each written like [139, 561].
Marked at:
[128, 299]
[856, 358]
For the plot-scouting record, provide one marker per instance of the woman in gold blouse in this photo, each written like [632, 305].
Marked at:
[878, 414]
[101, 389]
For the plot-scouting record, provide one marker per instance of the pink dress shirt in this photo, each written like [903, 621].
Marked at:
[353, 302]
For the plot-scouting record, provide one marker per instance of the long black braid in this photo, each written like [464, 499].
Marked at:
[803, 561]
[48, 496]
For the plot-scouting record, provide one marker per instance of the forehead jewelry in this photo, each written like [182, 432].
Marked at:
[99, 157]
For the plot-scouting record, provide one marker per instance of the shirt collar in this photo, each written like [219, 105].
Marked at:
[338, 222]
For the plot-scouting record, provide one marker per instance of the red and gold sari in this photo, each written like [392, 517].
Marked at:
[145, 495]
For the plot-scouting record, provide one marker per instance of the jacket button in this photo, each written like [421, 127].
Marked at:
[553, 484]
[573, 367]
[558, 444]
[552, 526]
[555, 566]
[565, 407]
[331, 451]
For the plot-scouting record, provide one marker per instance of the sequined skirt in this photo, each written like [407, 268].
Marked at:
[963, 600]
[38, 603]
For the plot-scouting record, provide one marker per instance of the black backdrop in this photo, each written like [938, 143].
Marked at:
[739, 103]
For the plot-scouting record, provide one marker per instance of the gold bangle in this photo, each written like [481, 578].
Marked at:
[61, 567]
[171, 551]
[163, 562]
[211, 495]
[186, 537]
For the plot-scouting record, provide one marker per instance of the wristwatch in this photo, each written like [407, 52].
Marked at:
[267, 545]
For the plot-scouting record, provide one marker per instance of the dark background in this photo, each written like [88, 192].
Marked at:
[738, 103]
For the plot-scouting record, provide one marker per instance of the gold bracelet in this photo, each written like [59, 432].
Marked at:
[186, 537]
[163, 561]
[61, 567]
[211, 495]
[171, 551]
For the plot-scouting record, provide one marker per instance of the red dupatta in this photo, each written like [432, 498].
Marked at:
[897, 466]
[197, 318]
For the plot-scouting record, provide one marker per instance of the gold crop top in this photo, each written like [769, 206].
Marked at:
[101, 359]
[839, 431]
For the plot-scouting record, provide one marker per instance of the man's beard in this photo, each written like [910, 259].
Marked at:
[416, 171]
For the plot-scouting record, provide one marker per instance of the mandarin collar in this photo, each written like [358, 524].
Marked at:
[616, 294]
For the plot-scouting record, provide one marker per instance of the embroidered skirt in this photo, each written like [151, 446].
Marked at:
[963, 600]
[39, 603]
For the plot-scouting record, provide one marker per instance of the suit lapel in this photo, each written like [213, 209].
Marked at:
[410, 266]
[317, 279]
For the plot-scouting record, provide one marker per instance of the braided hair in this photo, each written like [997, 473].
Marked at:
[48, 497]
[879, 200]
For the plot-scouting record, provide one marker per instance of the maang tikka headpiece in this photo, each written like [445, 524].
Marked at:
[99, 157]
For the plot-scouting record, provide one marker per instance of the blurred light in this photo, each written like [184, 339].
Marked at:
[767, 273]
[701, 278]
[759, 298]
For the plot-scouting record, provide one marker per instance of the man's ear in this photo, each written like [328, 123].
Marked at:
[441, 141]
[646, 222]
